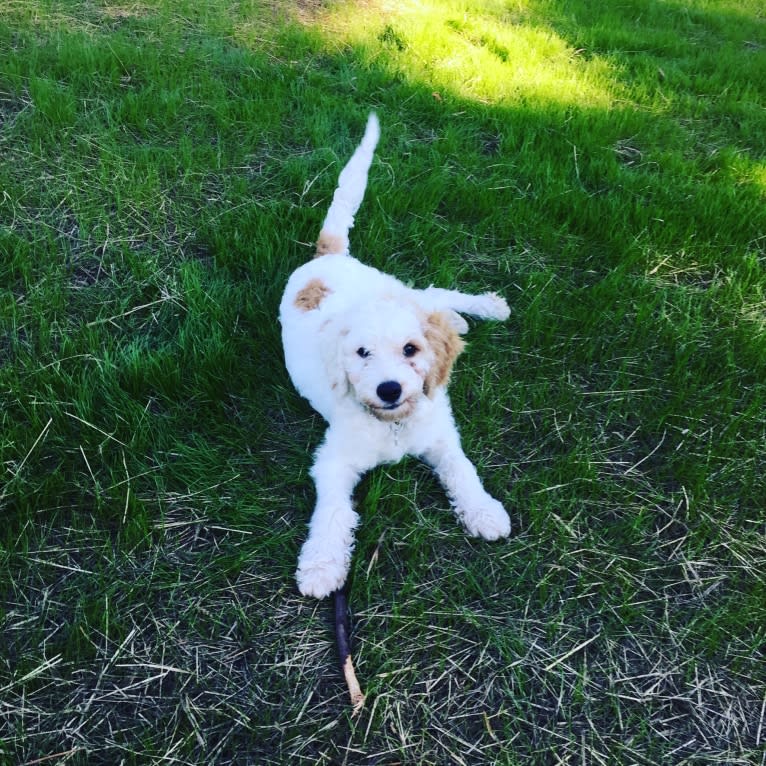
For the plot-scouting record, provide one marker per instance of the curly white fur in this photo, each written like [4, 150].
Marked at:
[373, 357]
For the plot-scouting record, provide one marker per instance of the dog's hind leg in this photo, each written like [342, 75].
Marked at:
[485, 306]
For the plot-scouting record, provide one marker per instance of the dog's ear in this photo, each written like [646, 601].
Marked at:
[331, 335]
[445, 345]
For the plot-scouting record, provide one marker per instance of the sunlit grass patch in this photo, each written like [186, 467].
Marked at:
[751, 172]
[492, 53]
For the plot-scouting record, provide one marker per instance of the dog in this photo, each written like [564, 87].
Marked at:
[373, 357]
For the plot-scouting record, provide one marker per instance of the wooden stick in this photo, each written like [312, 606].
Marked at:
[340, 601]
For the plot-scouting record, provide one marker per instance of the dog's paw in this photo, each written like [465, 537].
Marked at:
[487, 518]
[457, 322]
[319, 572]
[495, 306]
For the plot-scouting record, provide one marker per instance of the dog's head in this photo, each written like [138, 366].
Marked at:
[392, 355]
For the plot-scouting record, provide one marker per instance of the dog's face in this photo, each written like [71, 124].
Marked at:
[393, 355]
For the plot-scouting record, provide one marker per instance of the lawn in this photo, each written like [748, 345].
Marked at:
[166, 164]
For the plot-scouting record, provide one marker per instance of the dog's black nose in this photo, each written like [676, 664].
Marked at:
[389, 392]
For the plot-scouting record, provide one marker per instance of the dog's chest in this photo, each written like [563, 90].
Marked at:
[390, 442]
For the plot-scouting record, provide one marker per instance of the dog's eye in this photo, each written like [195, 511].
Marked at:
[410, 349]
[363, 352]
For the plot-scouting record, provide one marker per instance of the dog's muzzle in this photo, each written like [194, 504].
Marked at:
[390, 405]
[389, 392]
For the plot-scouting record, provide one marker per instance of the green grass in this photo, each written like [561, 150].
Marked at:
[165, 165]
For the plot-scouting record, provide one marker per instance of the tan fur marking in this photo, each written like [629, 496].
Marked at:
[328, 244]
[446, 345]
[311, 295]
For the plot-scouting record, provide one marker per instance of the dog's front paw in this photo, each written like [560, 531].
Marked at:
[495, 306]
[320, 572]
[487, 519]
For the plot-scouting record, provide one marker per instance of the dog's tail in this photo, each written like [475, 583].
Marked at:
[352, 182]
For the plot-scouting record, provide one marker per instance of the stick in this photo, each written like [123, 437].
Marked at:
[340, 602]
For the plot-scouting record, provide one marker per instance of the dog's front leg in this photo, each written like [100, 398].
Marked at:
[326, 555]
[481, 514]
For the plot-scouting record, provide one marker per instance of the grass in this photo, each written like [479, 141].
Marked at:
[165, 165]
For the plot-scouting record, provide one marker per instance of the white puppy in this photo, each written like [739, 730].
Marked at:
[373, 357]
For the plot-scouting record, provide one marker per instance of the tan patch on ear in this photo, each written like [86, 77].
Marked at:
[311, 295]
[446, 345]
[329, 244]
